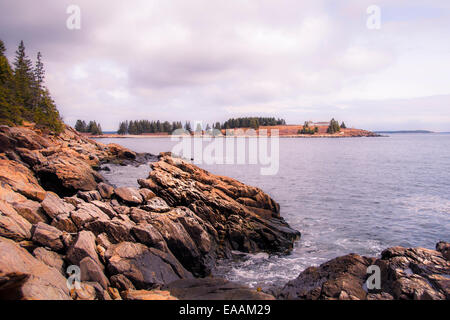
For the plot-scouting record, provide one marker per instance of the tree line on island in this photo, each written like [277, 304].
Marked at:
[23, 95]
[137, 127]
[92, 127]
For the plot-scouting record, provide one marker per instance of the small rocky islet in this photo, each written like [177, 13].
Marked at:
[162, 240]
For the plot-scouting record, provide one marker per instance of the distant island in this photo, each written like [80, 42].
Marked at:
[404, 131]
[231, 127]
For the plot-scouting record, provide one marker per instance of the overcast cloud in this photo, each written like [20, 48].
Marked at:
[211, 60]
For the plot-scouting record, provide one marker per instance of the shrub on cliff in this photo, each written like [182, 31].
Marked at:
[23, 95]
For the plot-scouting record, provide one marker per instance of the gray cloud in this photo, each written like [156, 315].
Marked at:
[210, 60]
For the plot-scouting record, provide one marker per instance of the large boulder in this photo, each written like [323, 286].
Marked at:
[406, 274]
[245, 217]
[40, 282]
[65, 174]
[144, 267]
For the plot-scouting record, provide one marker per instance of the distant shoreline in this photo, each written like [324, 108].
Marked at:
[130, 136]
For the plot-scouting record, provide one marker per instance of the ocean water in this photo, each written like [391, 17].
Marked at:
[356, 195]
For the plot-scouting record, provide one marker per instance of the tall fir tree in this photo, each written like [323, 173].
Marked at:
[23, 74]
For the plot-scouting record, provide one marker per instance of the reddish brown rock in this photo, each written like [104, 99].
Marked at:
[12, 225]
[31, 210]
[47, 236]
[147, 295]
[42, 282]
[86, 213]
[129, 195]
[92, 271]
[106, 190]
[53, 205]
[252, 225]
[121, 152]
[144, 267]
[20, 179]
[146, 194]
[50, 258]
[89, 196]
[83, 246]
[121, 282]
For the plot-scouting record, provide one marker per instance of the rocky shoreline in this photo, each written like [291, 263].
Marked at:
[160, 241]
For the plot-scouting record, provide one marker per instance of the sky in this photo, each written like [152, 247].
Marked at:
[209, 60]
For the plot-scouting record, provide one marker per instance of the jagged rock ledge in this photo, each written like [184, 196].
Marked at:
[56, 210]
[405, 274]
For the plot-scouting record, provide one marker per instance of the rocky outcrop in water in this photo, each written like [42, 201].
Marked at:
[405, 274]
[56, 211]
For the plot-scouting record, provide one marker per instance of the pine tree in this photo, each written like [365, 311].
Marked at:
[23, 73]
[39, 75]
[343, 126]
[10, 110]
[80, 126]
[123, 128]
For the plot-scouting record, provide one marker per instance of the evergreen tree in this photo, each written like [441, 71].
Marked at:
[123, 128]
[10, 110]
[343, 126]
[24, 77]
[39, 75]
[80, 126]
[333, 127]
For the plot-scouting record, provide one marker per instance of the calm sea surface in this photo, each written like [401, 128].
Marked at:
[358, 195]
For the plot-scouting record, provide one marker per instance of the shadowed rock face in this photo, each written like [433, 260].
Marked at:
[244, 217]
[406, 274]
